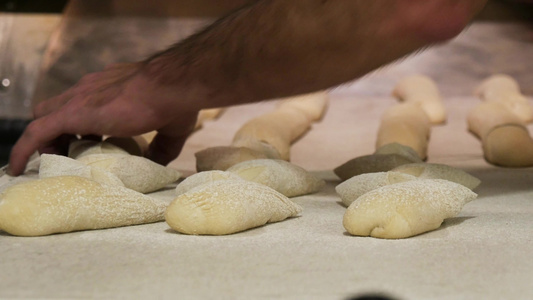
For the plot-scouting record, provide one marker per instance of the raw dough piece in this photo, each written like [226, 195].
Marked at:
[504, 137]
[313, 105]
[269, 135]
[384, 159]
[57, 165]
[438, 171]
[228, 206]
[203, 178]
[80, 148]
[423, 91]
[406, 209]
[72, 203]
[504, 89]
[359, 185]
[406, 124]
[282, 176]
[137, 173]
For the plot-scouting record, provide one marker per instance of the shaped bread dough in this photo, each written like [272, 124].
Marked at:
[72, 203]
[504, 136]
[228, 206]
[80, 148]
[359, 185]
[137, 173]
[505, 90]
[56, 165]
[407, 124]
[438, 171]
[406, 209]
[282, 176]
[267, 136]
[314, 105]
[203, 178]
[423, 91]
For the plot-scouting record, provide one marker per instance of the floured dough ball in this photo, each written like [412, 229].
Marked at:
[80, 148]
[56, 165]
[203, 178]
[228, 206]
[359, 185]
[284, 177]
[406, 209]
[137, 173]
[72, 203]
[438, 171]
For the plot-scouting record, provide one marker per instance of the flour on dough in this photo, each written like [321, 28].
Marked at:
[71, 203]
[137, 173]
[57, 165]
[439, 171]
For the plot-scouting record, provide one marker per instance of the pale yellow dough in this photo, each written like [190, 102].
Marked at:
[406, 209]
[72, 203]
[286, 178]
[228, 206]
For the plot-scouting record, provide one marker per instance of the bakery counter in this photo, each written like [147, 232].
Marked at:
[483, 253]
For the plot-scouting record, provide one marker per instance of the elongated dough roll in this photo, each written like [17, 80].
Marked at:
[267, 136]
[314, 105]
[137, 173]
[228, 206]
[282, 176]
[504, 137]
[406, 124]
[359, 185]
[439, 171]
[406, 209]
[423, 91]
[72, 203]
[505, 90]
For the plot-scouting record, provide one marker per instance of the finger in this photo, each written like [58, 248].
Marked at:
[37, 134]
[163, 149]
[59, 145]
[92, 137]
[53, 104]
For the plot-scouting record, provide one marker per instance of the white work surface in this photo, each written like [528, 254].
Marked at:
[486, 252]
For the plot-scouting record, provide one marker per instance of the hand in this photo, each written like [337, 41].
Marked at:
[118, 101]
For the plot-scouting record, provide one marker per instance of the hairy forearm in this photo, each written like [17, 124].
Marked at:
[279, 48]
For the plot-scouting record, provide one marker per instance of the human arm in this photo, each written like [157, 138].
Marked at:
[269, 49]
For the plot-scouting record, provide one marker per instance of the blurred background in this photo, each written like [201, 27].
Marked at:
[47, 46]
